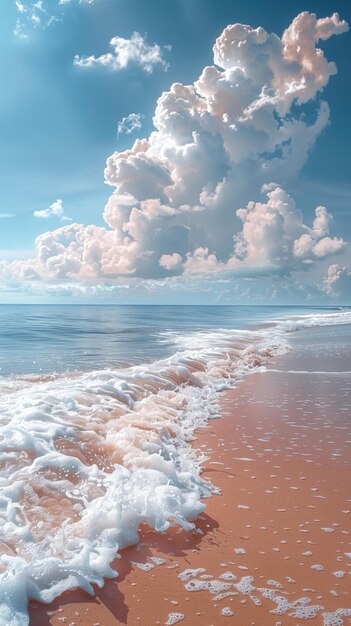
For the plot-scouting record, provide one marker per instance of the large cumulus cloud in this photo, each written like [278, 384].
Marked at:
[187, 198]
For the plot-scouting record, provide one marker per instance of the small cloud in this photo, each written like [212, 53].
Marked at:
[126, 52]
[20, 7]
[129, 124]
[4, 216]
[19, 30]
[171, 261]
[54, 210]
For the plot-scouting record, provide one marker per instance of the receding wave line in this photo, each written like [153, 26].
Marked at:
[311, 320]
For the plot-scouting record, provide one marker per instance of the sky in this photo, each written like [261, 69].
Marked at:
[175, 151]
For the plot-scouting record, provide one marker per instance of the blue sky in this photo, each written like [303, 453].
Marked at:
[59, 124]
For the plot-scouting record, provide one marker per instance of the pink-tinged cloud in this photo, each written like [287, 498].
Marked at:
[177, 204]
[337, 282]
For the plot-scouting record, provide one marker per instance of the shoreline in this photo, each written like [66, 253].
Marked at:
[284, 509]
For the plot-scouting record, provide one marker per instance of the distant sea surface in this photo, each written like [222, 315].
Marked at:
[46, 339]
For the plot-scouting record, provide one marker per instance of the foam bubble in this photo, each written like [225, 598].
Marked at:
[275, 583]
[174, 618]
[227, 611]
[335, 618]
[307, 612]
[157, 560]
[190, 573]
[245, 585]
[213, 586]
[145, 567]
[225, 594]
[228, 576]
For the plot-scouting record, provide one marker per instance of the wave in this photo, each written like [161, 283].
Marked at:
[300, 322]
[85, 459]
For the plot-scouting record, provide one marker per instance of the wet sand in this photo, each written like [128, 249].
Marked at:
[281, 458]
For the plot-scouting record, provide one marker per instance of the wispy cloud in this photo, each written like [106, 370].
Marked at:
[54, 210]
[129, 124]
[5, 216]
[125, 52]
[34, 14]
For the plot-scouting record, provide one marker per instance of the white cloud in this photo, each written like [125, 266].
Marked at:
[273, 238]
[129, 124]
[4, 216]
[274, 234]
[32, 14]
[177, 195]
[171, 261]
[41, 13]
[20, 7]
[201, 261]
[54, 210]
[125, 52]
[337, 283]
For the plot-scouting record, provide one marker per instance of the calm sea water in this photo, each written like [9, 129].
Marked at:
[43, 339]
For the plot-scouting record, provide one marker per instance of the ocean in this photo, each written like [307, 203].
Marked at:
[49, 338]
[99, 406]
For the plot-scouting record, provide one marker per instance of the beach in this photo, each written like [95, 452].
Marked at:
[273, 547]
[175, 313]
